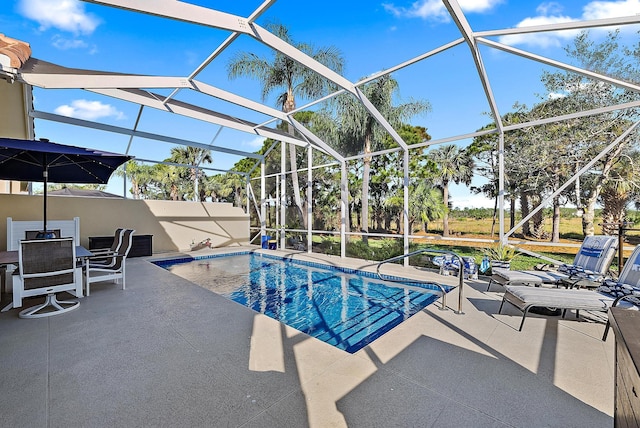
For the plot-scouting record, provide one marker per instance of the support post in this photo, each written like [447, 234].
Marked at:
[501, 185]
[283, 193]
[405, 167]
[344, 203]
[309, 199]
[263, 201]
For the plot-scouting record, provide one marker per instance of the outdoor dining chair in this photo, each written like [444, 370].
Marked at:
[47, 267]
[114, 266]
[104, 256]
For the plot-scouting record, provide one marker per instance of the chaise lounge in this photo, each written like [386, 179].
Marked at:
[592, 262]
[608, 294]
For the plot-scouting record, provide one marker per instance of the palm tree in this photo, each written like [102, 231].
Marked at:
[233, 184]
[360, 132]
[425, 204]
[283, 73]
[622, 186]
[193, 156]
[453, 165]
[139, 175]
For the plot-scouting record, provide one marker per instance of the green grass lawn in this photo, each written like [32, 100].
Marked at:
[382, 249]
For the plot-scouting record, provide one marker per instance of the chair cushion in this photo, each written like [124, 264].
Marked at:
[561, 298]
[532, 277]
[616, 289]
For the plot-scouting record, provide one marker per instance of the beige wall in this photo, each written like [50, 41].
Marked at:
[14, 120]
[174, 225]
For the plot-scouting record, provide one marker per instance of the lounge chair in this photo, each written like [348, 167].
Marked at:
[626, 291]
[113, 267]
[47, 267]
[592, 263]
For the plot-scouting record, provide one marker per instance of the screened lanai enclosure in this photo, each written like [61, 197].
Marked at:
[337, 129]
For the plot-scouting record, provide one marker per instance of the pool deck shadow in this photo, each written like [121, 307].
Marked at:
[166, 352]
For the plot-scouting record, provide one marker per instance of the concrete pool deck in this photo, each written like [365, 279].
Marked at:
[166, 352]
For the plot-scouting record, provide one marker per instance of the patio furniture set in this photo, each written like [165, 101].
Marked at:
[48, 266]
[584, 285]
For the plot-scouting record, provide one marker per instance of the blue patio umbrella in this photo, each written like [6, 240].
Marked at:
[44, 161]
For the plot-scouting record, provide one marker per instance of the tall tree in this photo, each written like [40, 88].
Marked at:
[359, 131]
[622, 186]
[591, 135]
[453, 165]
[281, 73]
[194, 157]
[139, 176]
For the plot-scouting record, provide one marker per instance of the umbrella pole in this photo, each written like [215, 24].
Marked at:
[45, 175]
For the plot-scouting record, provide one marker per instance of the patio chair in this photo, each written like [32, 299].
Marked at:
[114, 266]
[104, 256]
[591, 263]
[47, 267]
[626, 290]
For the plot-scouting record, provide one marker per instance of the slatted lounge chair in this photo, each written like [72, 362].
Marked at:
[601, 299]
[592, 262]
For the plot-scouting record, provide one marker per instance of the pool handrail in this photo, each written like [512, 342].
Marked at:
[442, 289]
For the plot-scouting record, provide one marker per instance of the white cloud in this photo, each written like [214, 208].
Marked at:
[550, 13]
[555, 95]
[435, 10]
[555, 39]
[254, 144]
[64, 43]
[89, 110]
[66, 15]
[611, 9]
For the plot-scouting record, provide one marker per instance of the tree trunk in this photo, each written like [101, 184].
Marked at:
[524, 209]
[555, 229]
[495, 216]
[445, 217]
[538, 221]
[588, 217]
[293, 161]
[512, 214]
[589, 204]
[614, 210]
[364, 215]
[196, 193]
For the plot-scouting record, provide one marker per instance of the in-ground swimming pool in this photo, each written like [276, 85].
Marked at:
[343, 307]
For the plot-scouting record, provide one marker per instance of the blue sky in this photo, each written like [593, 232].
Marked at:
[371, 35]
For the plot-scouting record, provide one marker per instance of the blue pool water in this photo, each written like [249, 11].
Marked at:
[345, 309]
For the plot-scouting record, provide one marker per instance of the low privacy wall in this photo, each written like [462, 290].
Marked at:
[175, 226]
